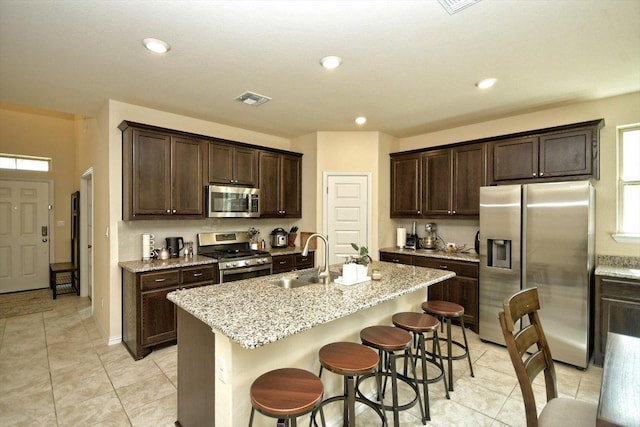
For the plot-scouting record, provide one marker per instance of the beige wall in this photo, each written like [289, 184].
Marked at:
[31, 132]
[353, 152]
[616, 111]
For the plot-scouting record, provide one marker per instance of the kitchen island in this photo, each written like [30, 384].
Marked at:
[229, 334]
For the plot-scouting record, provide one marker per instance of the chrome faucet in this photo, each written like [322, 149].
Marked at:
[324, 272]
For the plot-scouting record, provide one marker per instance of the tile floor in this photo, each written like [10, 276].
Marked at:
[55, 370]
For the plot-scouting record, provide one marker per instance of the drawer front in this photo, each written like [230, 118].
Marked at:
[466, 269]
[621, 289]
[160, 279]
[304, 261]
[396, 258]
[197, 274]
[282, 263]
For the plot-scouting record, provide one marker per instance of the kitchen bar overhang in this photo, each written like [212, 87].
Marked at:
[229, 334]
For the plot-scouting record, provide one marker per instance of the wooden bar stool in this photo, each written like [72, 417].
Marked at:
[350, 360]
[286, 394]
[388, 340]
[419, 324]
[445, 311]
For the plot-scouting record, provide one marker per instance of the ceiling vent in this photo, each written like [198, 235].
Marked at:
[453, 6]
[252, 98]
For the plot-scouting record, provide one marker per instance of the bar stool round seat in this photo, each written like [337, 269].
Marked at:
[388, 340]
[350, 360]
[420, 324]
[285, 394]
[445, 311]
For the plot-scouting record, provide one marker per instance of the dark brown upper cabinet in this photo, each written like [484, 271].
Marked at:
[406, 185]
[280, 185]
[162, 174]
[438, 183]
[558, 155]
[233, 165]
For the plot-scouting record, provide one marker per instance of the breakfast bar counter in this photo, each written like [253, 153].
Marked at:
[229, 334]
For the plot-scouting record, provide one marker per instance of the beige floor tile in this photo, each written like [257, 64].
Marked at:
[29, 405]
[144, 392]
[471, 393]
[449, 413]
[80, 383]
[494, 380]
[98, 409]
[160, 412]
[128, 371]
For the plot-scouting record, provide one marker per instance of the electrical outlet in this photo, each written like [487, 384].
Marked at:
[223, 375]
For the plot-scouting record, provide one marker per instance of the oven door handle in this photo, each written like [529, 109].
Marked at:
[241, 270]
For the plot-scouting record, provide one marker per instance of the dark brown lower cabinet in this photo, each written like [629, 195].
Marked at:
[148, 317]
[617, 310]
[292, 262]
[462, 289]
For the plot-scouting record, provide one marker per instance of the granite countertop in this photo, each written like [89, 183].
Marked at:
[139, 266]
[256, 312]
[618, 266]
[457, 256]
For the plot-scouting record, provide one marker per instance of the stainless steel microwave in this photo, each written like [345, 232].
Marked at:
[232, 202]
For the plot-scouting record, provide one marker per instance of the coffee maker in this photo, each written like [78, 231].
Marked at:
[175, 245]
[412, 239]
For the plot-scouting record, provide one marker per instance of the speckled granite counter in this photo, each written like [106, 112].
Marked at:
[256, 312]
[140, 266]
[458, 256]
[618, 266]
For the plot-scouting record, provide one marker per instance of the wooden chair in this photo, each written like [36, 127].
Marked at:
[558, 411]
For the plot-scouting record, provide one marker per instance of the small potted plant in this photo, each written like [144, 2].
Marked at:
[362, 260]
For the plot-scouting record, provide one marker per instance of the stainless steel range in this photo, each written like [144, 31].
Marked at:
[236, 260]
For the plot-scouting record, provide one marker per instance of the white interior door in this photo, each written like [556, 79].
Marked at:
[24, 235]
[347, 213]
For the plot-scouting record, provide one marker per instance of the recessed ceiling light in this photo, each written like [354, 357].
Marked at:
[156, 46]
[331, 62]
[486, 83]
[361, 120]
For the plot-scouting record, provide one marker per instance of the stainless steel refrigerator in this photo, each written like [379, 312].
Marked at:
[540, 235]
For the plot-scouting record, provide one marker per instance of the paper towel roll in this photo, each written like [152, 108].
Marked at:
[401, 238]
[147, 245]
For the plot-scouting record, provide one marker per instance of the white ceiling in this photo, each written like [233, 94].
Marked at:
[409, 66]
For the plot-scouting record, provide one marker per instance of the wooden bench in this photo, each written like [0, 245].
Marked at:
[63, 274]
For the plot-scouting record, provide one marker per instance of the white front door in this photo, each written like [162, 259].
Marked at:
[347, 213]
[24, 235]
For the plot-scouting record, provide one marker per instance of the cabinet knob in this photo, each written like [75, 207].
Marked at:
[541, 173]
[449, 212]
[174, 211]
[454, 212]
[168, 210]
[534, 174]
[419, 212]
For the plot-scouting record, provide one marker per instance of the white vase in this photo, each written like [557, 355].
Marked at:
[362, 271]
[349, 272]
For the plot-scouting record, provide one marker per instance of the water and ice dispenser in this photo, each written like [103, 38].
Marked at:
[499, 253]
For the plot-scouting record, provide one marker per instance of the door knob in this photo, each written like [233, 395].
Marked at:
[45, 240]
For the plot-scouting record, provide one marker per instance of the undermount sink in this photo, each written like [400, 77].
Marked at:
[302, 280]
